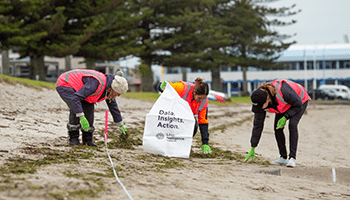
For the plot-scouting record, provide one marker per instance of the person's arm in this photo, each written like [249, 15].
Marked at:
[178, 86]
[114, 110]
[258, 125]
[90, 86]
[292, 98]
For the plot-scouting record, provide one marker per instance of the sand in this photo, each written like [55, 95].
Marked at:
[32, 121]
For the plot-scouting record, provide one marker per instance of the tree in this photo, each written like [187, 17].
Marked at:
[10, 33]
[256, 43]
[170, 30]
[116, 36]
[22, 32]
[56, 27]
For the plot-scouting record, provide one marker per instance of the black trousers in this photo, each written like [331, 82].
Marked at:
[293, 134]
[88, 109]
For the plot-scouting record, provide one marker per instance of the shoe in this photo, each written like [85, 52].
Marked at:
[88, 139]
[279, 161]
[291, 162]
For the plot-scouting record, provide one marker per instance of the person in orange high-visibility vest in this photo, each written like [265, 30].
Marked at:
[196, 96]
[289, 101]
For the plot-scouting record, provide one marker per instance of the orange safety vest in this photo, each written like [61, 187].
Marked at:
[74, 79]
[283, 106]
[186, 93]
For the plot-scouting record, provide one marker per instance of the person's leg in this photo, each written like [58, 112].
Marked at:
[280, 138]
[89, 109]
[195, 128]
[73, 125]
[293, 131]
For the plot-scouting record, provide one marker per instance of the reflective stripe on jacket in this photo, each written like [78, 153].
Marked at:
[185, 90]
[74, 79]
[283, 106]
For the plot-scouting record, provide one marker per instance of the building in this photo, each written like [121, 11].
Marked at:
[309, 65]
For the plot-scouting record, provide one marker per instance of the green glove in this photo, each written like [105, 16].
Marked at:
[84, 123]
[281, 122]
[206, 149]
[250, 154]
[162, 86]
[123, 129]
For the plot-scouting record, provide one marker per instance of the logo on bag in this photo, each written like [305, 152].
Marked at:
[159, 136]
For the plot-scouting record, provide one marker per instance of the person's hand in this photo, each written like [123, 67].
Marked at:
[163, 85]
[281, 122]
[84, 123]
[250, 154]
[206, 149]
[123, 129]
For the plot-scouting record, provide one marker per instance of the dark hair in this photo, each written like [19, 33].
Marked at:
[269, 88]
[201, 88]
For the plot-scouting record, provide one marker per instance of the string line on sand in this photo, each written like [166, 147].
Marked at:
[110, 159]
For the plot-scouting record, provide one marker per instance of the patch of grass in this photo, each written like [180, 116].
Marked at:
[219, 154]
[167, 164]
[159, 163]
[57, 196]
[39, 85]
[5, 188]
[147, 96]
[20, 165]
[92, 192]
[124, 141]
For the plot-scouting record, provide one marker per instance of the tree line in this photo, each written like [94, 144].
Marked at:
[199, 34]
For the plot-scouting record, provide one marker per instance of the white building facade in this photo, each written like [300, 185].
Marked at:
[309, 65]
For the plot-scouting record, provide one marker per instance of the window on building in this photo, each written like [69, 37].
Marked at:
[194, 70]
[310, 65]
[301, 65]
[330, 65]
[293, 65]
[344, 64]
[173, 70]
[320, 64]
[235, 68]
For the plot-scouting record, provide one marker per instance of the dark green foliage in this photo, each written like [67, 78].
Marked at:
[200, 34]
[255, 42]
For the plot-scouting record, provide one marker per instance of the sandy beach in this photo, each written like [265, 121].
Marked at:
[37, 163]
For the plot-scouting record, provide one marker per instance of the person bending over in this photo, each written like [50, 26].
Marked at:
[196, 97]
[288, 100]
[80, 89]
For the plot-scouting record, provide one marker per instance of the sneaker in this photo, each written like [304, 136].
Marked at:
[279, 161]
[291, 162]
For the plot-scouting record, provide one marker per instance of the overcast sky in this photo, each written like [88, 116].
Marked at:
[319, 22]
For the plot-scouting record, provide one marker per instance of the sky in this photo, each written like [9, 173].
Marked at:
[319, 22]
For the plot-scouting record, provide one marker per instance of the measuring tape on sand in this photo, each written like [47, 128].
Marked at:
[110, 159]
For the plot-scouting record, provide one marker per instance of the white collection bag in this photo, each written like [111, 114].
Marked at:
[169, 126]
